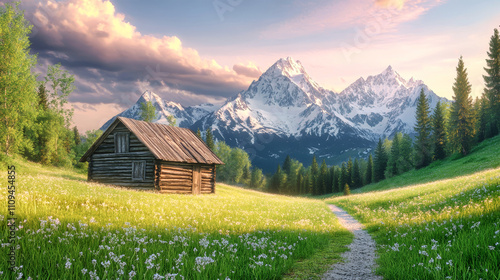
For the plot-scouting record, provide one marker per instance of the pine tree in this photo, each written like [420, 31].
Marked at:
[331, 183]
[369, 171]
[42, 97]
[482, 125]
[18, 97]
[323, 175]
[392, 164]
[438, 133]
[461, 116]
[287, 165]
[380, 162]
[76, 135]
[406, 154]
[210, 139]
[422, 128]
[343, 175]
[198, 133]
[314, 176]
[356, 175]
[300, 179]
[349, 171]
[276, 180]
[335, 183]
[492, 83]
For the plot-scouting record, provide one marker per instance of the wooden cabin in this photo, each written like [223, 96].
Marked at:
[147, 155]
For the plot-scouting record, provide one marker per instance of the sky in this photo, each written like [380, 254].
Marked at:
[197, 51]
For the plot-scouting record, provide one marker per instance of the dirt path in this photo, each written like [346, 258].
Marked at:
[359, 261]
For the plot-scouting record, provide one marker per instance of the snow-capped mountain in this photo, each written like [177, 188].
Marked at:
[383, 104]
[286, 112]
[185, 116]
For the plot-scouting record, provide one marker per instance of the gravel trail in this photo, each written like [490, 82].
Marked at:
[359, 261]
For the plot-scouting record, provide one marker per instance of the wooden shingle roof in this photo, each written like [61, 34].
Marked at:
[166, 142]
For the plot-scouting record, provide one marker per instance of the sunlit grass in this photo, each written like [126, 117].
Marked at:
[447, 229]
[484, 156]
[71, 229]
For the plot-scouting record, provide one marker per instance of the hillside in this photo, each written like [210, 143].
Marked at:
[440, 222]
[484, 156]
[83, 229]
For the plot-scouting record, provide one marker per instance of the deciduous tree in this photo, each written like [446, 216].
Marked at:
[18, 97]
[148, 111]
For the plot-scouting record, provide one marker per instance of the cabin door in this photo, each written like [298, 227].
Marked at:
[196, 179]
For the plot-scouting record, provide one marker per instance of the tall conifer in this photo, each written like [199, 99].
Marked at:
[462, 116]
[369, 170]
[210, 139]
[492, 83]
[380, 162]
[438, 133]
[423, 129]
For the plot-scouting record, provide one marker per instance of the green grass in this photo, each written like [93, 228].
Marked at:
[484, 156]
[71, 229]
[431, 228]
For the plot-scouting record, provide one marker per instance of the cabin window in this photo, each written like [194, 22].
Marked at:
[121, 142]
[138, 170]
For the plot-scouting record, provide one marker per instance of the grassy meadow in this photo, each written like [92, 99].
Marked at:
[71, 229]
[430, 228]
[439, 222]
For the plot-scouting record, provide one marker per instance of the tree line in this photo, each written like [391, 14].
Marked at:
[449, 129]
[237, 168]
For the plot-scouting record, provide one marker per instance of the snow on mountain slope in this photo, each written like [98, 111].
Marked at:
[382, 104]
[286, 112]
[185, 117]
[284, 101]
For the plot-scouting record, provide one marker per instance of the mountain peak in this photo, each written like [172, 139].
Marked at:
[287, 67]
[390, 76]
[149, 96]
[389, 69]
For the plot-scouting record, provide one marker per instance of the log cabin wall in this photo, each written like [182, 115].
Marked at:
[185, 178]
[207, 179]
[113, 165]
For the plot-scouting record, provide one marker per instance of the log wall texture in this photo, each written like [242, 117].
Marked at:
[186, 178]
[107, 166]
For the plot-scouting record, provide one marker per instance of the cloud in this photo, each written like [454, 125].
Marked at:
[250, 70]
[391, 3]
[344, 15]
[108, 55]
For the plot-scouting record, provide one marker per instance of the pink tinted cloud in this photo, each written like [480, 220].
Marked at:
[349, 14]
[250, 70]
[91, 34]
